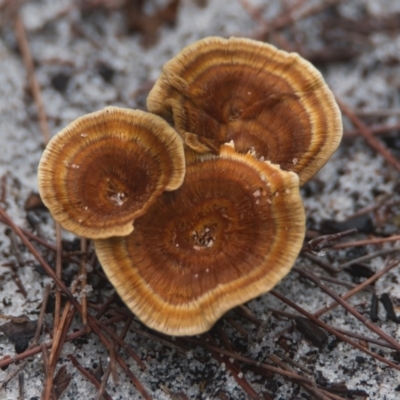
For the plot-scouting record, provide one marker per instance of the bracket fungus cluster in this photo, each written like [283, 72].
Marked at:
[197, 209]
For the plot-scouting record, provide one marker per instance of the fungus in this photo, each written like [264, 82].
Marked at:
[264, 99]
[106, 168]
[223, 238]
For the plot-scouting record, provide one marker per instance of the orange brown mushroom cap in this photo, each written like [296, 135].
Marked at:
[264, 99]
[106, 168]
[231, 232]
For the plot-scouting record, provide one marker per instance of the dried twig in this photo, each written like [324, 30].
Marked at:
[124, 345]
[21, 263]
[325, 265]
[83, 279]
[318, 394]
[375, 129]
[245, 385]
[383, 200]
[48, 389]
[88, 375]
[12, 374]
[322, 242]
[369, 136]
[92, 322]
[389, 265]
[333, 331]
[60, 334]
[21, 385]
[359, 243]
[288, 17]
[110, 366]
[291, 375]
[351, 309]
[7, 360]
[345, 332]
[41, 315]
[30, 68]
[370, 256]
[57, 308]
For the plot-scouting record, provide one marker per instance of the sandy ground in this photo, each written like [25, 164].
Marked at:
[66, 41]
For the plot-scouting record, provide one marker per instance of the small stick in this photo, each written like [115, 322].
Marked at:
[234, 369]
[88, 375]
[104, 380]
[47, 390]
[21, 386]
[162, 340]
[58, 342]
[41, 315]
[365, 338]
[383, 200]
[369, 257]
[280, 371]
[133, 378]
[39, 258]
[173, 396]
[283, 314]
[379, 112]
[261, 328]
[7, 360]
[44, 243]
[57, 308]
[294, 363]
[21, 263]
[96, 326]
[3, 187]
[124, 345]
[106, 305]
[326, 241]
[246, 313]
[377, 129]
[255, 14]
[365, 242]
[388, 305]
[83, 279]
[33, 345]
[16, 278]
[361, 286]
[109, 366]
[23, 45]
[373, 313]
[113, 363]
[238, 327]
[92, 322]
[224, 339]
[15, 249]
[326, 266]
[336, 281]
[351, 309]
[333, 331]
[60, 332]
[12, 374]
[289, 16]
[312, 389]
[369, 136]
